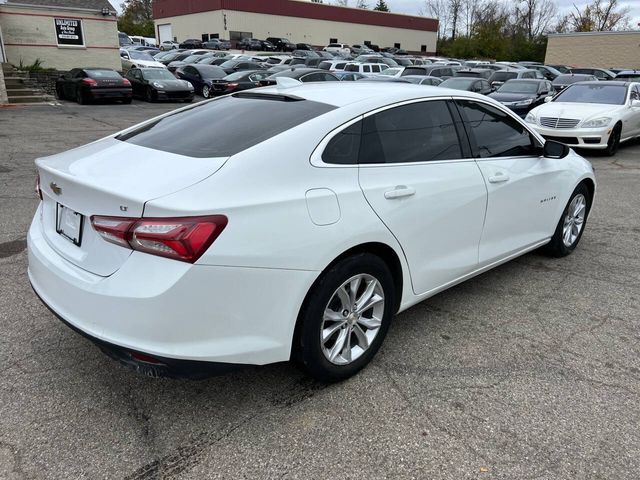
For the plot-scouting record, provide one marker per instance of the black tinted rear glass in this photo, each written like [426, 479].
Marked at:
[211, 129]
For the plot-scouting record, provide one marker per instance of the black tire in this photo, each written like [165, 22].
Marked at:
[307, 348]
[614, 141]
[556, 247]
[148, 95]
[80, 98]
[60, 92]
[206, 91]
[127, 101]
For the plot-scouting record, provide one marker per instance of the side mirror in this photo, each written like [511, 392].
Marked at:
[123, 54]
[548, 99]
[556, 150]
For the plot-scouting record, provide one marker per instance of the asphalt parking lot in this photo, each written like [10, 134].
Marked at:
[530, 371]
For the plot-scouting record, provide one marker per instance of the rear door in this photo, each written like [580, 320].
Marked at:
[416, 175]
[524, 188]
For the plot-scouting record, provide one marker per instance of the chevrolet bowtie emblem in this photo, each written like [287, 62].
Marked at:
[55, 188]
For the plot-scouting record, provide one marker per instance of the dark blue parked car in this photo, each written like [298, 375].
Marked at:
[201, 77]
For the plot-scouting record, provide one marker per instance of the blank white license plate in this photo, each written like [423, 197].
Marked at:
[69, 224]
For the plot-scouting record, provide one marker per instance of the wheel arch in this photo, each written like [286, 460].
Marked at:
[381, 250]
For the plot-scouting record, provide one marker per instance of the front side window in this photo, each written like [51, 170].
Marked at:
[418, 132]
[496, 133]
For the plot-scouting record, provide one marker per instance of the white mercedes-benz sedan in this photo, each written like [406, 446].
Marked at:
[292, 222]
[598, 115]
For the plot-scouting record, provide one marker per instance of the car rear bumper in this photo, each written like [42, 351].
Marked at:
[591, 138]
[98, 94]
[173, 310]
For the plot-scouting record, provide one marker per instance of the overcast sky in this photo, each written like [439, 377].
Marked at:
[413, 7]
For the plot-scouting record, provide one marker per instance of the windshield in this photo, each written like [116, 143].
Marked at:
[238, 75]
[589, 93]
[158, 74]
[519, 87]
[138, 55]
[210, 129]
[193, 58]
[568, 79]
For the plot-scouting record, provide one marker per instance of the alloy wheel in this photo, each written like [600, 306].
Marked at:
[352, 319]
[574, 220]
[205, 91]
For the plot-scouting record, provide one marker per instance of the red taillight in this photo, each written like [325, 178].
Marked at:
[184, 238]
[89, 81]
[37, 187]
[126, 82]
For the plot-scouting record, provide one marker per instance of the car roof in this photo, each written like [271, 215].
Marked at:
[528, 80]
[366, 93]
[600, 83]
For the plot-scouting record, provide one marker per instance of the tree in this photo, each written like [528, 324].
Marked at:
[598, 16]
[455, 7]
[535, 16]
[137, 18]
[362, 4]
[438, 9]
[382, 6]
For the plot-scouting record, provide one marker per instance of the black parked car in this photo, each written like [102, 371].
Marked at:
[201, 77]
[523, 95]
[563, 81]
[231, 66]
[304, 46]
[478, 85]
[217, 44]
[267, 46]
[302, 75]
[191, 43]
[155, 84]
[599, 73]
[250, 44]
[282, 44]
[243, 80]
[86, 84]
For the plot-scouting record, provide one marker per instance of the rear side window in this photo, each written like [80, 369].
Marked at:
[211, 129]
[343, 148]
[418, 132]
[496, 133]
[352, 67]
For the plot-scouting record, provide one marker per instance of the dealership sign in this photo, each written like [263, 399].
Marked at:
[69, 31]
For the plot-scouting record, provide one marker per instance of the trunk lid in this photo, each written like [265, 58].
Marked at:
[113, 178]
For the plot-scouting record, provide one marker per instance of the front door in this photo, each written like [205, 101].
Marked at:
[524, 188]
[416, 175]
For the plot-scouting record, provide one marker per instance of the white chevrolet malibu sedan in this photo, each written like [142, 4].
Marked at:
[596, 115]
[292, 222]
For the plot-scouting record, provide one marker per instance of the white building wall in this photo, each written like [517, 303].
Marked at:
[298, 30]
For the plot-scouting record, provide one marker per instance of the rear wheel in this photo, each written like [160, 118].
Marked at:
[148, 95]
[614, 141]
[206, 91]
[60, 92]
[80, 98]
[345, 318]
[572, 223]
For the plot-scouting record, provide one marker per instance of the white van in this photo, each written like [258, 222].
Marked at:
[339, 48]
[366, 69]
[144, 41]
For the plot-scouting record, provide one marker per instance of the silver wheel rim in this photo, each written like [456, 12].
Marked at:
[205, 91]
[574, 221]
[352, 319]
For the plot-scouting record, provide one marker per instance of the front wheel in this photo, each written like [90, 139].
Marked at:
[206, 91]
[148, 95]
[614, 141]
[345, 318]
[572, 223]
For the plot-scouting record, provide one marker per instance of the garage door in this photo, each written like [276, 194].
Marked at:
[164, 32]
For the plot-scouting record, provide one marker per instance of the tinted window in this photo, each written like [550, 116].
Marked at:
[417, 132]
[413, 71]
[503, 76]
[496, 133]
[211, 129]
[110, 74]
[343, 148]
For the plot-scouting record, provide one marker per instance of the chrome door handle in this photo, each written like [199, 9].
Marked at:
[499, 178]
[399, 192]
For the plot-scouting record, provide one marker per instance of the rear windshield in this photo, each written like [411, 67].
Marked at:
[503, 76]
[210, 129]
[413, 71]
[103, 74]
